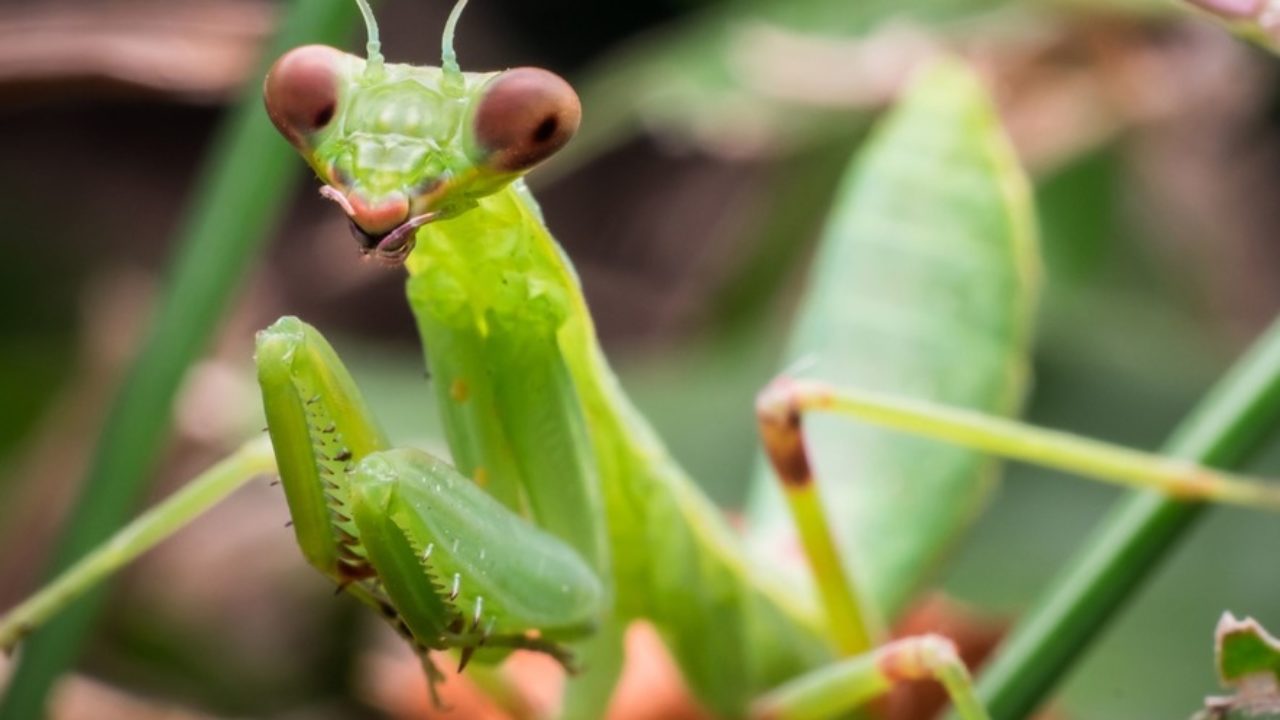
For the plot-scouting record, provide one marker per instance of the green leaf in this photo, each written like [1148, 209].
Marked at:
[1245, 649]
[924, 285]
[1248, 661]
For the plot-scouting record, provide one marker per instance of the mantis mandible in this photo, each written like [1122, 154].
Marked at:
[561, 518]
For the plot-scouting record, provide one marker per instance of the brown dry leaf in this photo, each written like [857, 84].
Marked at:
[198, 51]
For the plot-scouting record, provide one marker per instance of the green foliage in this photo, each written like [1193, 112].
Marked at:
[1245, 649]
[924, 286]
[1249, 662]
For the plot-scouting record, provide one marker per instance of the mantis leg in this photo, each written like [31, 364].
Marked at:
[862, 676]
[252, 459]
[781, 405]
[832, 691]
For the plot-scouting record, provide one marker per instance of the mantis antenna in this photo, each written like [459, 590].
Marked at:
[372, 48]
[448, 58]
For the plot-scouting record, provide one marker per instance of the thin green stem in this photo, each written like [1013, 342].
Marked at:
[1051, 448]
[241, 193]
[1224, 430]
[152, 527]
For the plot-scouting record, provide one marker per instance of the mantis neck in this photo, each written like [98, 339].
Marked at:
[498, 263]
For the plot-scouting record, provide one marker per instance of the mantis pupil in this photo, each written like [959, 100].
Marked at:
[546, 129]
[323, 116]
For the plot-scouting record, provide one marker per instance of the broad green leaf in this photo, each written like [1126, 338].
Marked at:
[924, 285]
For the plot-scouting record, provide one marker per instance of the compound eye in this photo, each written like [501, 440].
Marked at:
[522, 118]
[301, 91]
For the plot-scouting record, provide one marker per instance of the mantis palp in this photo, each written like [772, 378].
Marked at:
[584, 523]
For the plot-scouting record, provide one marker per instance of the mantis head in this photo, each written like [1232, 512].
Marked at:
[398, 146]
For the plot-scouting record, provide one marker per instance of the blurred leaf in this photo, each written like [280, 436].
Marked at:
[31, 370]
[186, 51]
[780, 227]
[925, 286]
[1253, 20]
[757, 71]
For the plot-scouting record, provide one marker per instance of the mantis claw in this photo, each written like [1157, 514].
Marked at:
[465, 657]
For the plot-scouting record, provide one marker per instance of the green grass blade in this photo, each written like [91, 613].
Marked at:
[924, 287]
[1224, 430]
[241, 192]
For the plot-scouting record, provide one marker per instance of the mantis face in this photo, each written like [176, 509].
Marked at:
[398, 146]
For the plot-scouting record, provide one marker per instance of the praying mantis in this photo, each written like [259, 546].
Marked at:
[560, 518]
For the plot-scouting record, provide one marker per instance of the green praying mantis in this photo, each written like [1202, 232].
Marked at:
[560, 518]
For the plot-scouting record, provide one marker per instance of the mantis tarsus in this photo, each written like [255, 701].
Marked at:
[587, 524]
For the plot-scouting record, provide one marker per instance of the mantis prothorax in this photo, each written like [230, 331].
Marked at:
[561, 518]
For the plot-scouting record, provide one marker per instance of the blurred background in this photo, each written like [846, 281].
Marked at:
[714, 132]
